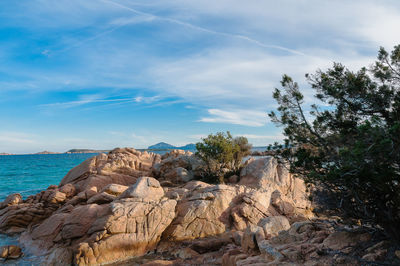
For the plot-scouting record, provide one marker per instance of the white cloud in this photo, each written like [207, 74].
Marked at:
[359, 21]
[103, 100]
[236, 77]
[237, 117]
[138, 99]
[233, 70]
[123, 21]
[378, 24]
[203, 29]
[86, 99]
[148, 100]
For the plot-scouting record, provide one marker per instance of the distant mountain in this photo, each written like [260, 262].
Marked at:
[166, 146]
[161, 146]
[190, 146]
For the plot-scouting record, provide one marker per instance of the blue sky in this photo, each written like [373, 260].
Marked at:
[103, 74]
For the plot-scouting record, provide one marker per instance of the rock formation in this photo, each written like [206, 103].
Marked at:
[120, 166]
[121, 205]
[177, 166]
[318, 242]
[10, 252]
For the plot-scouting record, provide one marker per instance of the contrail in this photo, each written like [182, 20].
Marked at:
[90, 39]
[82, 102]
[189, 25]
[80, 43]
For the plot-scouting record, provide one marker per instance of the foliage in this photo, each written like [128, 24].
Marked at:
[221, 153]
[351, 144]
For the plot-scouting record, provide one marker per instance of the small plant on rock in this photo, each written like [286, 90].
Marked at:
[221, 153]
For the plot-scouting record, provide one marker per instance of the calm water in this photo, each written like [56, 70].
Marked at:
[29, 174]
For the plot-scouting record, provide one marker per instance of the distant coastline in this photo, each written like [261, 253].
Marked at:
[162, 146]
[167, 146]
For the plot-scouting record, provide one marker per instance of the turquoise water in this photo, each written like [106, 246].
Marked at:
[30, 174]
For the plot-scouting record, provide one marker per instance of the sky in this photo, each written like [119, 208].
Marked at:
[101, 74]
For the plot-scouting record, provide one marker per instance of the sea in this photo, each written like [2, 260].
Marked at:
[30, 174]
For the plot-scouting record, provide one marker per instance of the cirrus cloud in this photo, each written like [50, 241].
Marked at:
[237, 117]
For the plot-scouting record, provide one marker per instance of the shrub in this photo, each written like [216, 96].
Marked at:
[221, 153]
[351, 145]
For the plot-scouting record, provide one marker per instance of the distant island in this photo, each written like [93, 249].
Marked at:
[47, 152]
[73, 151]
[86, 151]
[166, 146]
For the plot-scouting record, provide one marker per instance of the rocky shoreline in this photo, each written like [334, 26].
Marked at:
[137, 208]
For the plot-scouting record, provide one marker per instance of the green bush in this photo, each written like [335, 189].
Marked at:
[351, 142]
[221, 153]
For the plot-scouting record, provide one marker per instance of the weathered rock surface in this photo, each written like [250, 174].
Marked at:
[19, 215]
[10, 252]
[110, 209]
[131, 229]
[273, 225]
[344, 239]
[202, 213]
[318, 242]
[101, 198]
[251, 236]
[289, 196]
[250, 207]
[179, 175]
[118, 166]
[95, 234]
[12, 199]
[177, 167]
[114, 189]
[146, 188]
